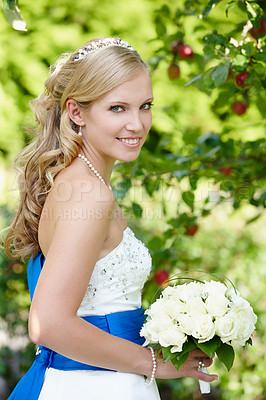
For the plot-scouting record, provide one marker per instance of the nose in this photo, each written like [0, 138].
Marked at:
[134, 123]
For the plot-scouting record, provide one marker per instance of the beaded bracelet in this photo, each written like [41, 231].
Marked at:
[154, 368]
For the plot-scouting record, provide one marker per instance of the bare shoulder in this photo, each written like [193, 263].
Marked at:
[77, 202]
[78, 192]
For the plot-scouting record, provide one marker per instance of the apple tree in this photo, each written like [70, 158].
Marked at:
[217, 50]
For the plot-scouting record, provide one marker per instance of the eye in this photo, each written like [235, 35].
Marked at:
[146, 106]
[116, 108]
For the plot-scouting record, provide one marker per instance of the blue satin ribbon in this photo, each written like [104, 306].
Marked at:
[124, 324]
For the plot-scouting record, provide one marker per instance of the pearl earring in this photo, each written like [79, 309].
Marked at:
[79, 132]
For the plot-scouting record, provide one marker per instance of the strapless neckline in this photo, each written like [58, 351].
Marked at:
[116, 248]
[117, 279]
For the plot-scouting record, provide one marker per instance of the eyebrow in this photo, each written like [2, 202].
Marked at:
[123, 102]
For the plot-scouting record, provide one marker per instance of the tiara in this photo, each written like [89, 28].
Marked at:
[100, 44]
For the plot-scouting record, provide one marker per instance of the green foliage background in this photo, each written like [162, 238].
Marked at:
[177, 181]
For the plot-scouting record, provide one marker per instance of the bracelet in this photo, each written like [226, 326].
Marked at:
[154, 368]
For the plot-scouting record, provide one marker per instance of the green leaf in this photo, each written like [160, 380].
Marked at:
[181, 160]
[9, 4]
[155, 346]
[155, 243]
[165, 10]
[167, 355]
[13, 16]
[179, 174]
[227, 185]
[241, 60]
[188, 346]
[250, 49]
[122, 188]
[154, 61]
[193, 182]
[220, 73]
[137, 210]
[160, 27]
[212, 152]
[249, 341]
[209, 347]
[226, 355]
[150, 185]
[259, 69]
[178, 362]
[228, 6]
[196, 78]
[189, 198]
[262, 199]
[209, 7]
[260, 56]
[253, 219]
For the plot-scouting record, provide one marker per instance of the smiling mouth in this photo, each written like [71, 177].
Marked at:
[129, 141]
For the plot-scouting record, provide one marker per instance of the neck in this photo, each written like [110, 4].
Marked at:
[103, 166]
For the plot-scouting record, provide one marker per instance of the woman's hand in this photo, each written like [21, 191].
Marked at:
[188, 369]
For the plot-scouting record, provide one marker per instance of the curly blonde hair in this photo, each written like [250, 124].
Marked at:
[56, 142]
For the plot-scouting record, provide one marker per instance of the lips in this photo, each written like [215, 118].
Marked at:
[129, 140]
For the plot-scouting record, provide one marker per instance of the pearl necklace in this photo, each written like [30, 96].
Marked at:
[94, 170]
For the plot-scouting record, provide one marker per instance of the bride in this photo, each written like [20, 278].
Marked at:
[87, 269]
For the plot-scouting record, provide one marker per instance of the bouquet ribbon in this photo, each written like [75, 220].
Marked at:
[204, 386]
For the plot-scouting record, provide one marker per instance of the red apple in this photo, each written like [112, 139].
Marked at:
[259, 31]
[173, 71]
[226, 170]
[192, 230]
[240, 79]
[161, 276]
[185, 51]
[239, 108]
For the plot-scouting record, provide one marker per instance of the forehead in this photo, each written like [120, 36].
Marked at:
[138, 88]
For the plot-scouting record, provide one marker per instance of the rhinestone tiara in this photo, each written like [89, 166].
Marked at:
[100, 44]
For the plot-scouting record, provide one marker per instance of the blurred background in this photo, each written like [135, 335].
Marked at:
[196, 195]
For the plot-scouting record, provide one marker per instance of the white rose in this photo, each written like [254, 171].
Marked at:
[196, 307]
[247, 320]
[215, 287]
[161, 321]
[204, 328]
[153, 327]
[231, 293]
[249, 313]
[227, 327]
[168, 292]
[174, 308]
[150, 333]
[237, 303]
[186, 292]
[216, 304]
[186, 323]
[155, 308]
[172, 336]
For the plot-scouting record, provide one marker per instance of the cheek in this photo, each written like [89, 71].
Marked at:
[113, 125]
[148, 123]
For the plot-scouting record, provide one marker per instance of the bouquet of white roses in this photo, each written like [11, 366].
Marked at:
[207, 315]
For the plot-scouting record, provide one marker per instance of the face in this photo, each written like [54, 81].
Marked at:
[116, 126]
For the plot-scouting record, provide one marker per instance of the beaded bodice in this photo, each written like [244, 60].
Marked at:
[118, 278]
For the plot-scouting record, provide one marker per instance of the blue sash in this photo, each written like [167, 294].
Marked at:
[124, 324]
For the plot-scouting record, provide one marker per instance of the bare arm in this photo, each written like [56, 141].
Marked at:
[61, 287]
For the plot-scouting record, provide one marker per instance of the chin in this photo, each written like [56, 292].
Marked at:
[129, 157]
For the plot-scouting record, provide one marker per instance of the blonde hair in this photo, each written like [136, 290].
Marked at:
[56, 141]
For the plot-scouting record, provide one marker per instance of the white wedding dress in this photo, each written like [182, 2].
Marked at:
[115, 285]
